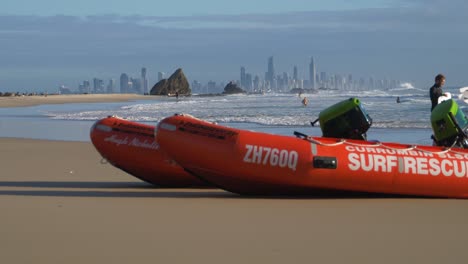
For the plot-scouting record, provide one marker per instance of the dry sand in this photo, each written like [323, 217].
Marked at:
[59, 204]
[20, 101]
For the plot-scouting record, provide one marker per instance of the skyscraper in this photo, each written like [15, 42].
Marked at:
[98, 85]
[256, 83]
[242, 77]
[124, 83]
[137, 85]
[144, 81]
[211, 86]
[160, 76]
[111, 86]
[295, 74]
[312, 79]
[323, 77]
[248, 82]
[197, 86]
[270, 74]
[285, 81]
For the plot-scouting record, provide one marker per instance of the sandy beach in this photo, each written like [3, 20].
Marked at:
[20, 101]
[59, 204]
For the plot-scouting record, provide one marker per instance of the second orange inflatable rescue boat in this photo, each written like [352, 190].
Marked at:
[130, 146]
[249, 162]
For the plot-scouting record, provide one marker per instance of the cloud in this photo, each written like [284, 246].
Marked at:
[409, 40]
[413, 15]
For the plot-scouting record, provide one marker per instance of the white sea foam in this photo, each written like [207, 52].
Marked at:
[272, 109]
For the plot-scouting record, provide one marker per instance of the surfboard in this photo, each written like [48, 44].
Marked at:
[445, 97]
[463, 94]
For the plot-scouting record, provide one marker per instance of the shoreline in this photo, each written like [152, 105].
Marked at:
[25, 101]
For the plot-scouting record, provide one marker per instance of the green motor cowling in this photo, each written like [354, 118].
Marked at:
[449, 124]
[346, 119]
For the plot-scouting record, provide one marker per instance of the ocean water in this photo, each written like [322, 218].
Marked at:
[406, 122]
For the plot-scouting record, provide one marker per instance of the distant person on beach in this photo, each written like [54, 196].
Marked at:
[305, 101]
[398, 99]
[177, 95]
[436, 90]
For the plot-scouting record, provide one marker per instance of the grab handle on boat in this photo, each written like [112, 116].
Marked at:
[300, 135]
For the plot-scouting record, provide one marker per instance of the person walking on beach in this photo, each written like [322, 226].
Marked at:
[436, 90]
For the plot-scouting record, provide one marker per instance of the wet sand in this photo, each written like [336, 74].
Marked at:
[21, 101]
[59, 204]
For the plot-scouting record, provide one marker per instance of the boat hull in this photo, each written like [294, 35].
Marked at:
[249, 162]
[130, 146]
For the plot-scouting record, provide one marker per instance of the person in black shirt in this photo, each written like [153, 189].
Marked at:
[436, 90]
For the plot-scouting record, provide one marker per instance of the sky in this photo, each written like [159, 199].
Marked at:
[176, 8]
[45, 44]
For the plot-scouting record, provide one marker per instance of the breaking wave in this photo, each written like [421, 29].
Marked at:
[271, 109]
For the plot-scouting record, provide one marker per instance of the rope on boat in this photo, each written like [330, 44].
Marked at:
[379, 144]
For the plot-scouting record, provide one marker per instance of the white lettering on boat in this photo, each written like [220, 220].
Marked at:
[271, 156]
[407, 162]
[132, 141]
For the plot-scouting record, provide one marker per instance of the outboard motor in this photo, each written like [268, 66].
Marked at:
[347, 119]
[449, 125]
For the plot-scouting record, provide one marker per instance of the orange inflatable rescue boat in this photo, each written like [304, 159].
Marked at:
[130, 146]
[249, 162]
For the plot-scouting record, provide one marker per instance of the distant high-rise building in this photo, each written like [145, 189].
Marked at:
[371, 83]
[349, 82]
[285, 81]
[295, 74]
[137, 86]
[256, 83]
[270, 74]
[160, 76]
[362, 84]
[248, 82]
[196, 86]
[242, 77]
[85, 87]
[323, 77]
[143, 72]
[98, 85]
[300, 84]
[124, 85]
[111, 86]
[312, 79]
[144, 81]
[211, 86]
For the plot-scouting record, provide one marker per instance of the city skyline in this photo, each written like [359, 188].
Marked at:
[250, 81]
[285, 82]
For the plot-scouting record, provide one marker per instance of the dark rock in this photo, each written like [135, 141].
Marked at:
[177, 83]
[297, 90]
[300, 90]
[232, 88]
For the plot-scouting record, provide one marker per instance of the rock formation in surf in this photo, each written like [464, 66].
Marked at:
[233, 88]
[176, 83]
